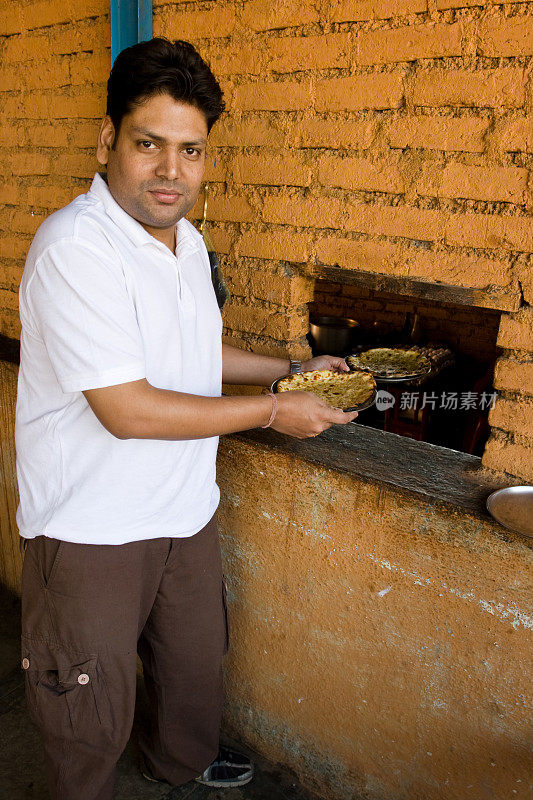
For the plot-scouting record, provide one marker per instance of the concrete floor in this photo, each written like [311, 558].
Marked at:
[21, 768]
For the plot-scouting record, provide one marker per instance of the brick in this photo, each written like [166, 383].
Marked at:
[10, 322]
[215, 168]
[514, 376]
[25, 48]
[11, 135]
[41, 75]
[21, 221]
[224, 208]
[404, 221]
[516, 330]
[273, 288]
[487, 88]
[316, 212]
[272, 96]
[9, 300]
[261, 16]
[82, 37]
[249, 131]
[56, 106]
[47, 135]
[277, 245]
[82, 134]
[358, 92]
[524, 273]
[9, 194]
[328, 51]
[46, 13]
[81, 9]
[409, 43]
[287, 169]
[360, 10]
[14, 246]
[443, 4]
[484, 183]
[222, 240]
[489, 231]
[263, 322]
[90, 67]
[513, 416]
[357, 134]
[11, 276]
[76, 165]
[175, 24]
[516, 136]
[25, 163]
[236, 58]
[359, 174]
[509, 456]
[12, 20]
[511, 36]
[22, 106]
[83, 105]
[395, 259]
[50, 197]
[439, 133]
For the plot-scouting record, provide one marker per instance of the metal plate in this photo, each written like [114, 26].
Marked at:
[513, 508]
[361, 407]
[367, 403]
[402, 378]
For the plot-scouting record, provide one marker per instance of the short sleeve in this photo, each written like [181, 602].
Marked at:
[78, 302]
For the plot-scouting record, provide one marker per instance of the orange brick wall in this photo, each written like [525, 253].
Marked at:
[54, 62]
[392, 136]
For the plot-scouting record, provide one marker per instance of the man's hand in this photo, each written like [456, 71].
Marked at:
[303, 414]
[326, 362]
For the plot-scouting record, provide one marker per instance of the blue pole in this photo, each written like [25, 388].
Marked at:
[131, 22]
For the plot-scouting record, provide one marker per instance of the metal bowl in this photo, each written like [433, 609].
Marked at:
[513, 508]
[332, 334]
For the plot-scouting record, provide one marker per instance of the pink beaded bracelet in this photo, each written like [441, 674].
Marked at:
[274, 410]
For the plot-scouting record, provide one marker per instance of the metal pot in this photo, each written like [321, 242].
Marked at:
[332, 335]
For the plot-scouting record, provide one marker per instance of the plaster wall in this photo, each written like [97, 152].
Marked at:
[380, 645]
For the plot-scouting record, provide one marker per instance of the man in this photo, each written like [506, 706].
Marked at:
[119, 410]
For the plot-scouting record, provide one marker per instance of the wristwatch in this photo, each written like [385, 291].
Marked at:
[295, 366]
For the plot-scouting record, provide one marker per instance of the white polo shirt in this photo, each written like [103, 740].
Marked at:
[102, 303]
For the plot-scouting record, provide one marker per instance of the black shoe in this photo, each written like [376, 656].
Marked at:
[228, 769]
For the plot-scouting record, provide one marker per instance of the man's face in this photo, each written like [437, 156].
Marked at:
[156, 167]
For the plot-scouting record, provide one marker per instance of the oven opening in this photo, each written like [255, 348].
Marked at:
[447, 406]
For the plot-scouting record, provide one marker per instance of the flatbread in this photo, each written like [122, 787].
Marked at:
[388, 362]
[338, 389]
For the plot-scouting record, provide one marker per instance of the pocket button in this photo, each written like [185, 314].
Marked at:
[25, 663]
[83, 678]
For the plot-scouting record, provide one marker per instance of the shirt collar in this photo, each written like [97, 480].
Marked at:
[185, 240]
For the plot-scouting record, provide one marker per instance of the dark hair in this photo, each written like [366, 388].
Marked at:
[160, 66]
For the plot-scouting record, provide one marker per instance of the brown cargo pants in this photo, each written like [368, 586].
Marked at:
[86, 612]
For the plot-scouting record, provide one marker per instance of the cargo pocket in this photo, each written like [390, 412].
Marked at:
[226, 620]
[66, 693]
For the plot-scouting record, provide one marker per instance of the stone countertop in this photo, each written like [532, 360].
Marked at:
[436, 473]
